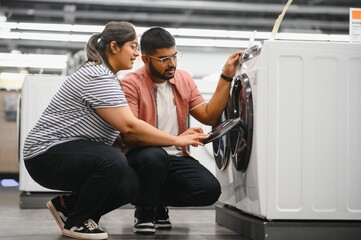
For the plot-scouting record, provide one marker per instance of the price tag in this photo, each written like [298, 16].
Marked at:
[355, 24]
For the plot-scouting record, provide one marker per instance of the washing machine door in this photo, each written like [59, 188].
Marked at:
[241, 137]
[220, 145]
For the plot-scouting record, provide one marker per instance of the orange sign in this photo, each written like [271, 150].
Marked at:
[355, 24]
[356, 14]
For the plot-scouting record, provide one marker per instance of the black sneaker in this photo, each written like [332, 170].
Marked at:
[88, 230]
[161, 218]
[143, 221]
[58, 209]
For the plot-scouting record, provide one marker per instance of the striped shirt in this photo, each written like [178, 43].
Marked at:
[71, 113]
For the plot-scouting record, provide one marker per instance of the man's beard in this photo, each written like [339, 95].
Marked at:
[157, 74]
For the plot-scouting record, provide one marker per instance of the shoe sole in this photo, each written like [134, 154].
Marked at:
[163, 226]
[144, 231]
[56, 215]
[144, 228]
[92, 236]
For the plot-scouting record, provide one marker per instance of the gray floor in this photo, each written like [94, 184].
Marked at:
[38, 224]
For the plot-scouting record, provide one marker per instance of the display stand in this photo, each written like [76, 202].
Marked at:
[31, 200]
[262, 229]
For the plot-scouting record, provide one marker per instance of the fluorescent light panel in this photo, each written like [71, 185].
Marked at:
[51, 27]
[177, 32]
[184, 37]
[33, 60]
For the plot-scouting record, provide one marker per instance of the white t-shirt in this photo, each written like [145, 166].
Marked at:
[167, 114]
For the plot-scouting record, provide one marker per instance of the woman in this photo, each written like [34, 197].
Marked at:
[70, 147]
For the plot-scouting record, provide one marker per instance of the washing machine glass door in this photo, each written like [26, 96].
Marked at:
[241, 137]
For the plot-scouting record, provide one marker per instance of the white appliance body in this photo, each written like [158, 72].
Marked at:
[36, 93]
[306, 151]
[205, 154]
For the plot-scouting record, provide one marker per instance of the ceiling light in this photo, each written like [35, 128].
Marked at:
[193, 42]
[177, 32]
[33, 60]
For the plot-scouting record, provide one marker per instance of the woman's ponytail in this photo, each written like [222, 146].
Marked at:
[92, 49]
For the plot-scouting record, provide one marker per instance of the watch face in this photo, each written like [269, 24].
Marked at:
[222, 129]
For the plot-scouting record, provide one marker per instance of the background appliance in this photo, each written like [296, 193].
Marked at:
[36, 94]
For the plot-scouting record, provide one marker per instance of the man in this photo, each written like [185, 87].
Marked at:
[164, 97]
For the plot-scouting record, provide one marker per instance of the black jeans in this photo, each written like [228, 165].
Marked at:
[169, 180]
[97, 174]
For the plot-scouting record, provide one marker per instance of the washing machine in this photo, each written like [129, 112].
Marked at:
[296, 153]
[215, 155]
[221, 151]
[36, 94]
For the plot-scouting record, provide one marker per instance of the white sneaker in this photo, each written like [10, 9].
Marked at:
[88, 230]
[143, 221]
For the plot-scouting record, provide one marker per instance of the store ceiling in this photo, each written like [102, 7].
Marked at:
[303, 16]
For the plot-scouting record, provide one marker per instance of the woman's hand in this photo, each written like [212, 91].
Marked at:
[190, 137]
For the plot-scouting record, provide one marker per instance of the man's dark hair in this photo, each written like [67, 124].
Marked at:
[155, 38]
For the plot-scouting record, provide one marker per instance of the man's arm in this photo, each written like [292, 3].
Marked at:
[210, 112]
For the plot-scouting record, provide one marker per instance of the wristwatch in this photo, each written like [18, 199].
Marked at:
[229, 79]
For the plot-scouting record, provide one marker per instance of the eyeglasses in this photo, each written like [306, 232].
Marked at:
[135, 47]
[166, 60]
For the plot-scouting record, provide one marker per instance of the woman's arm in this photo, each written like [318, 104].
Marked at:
[143, 133]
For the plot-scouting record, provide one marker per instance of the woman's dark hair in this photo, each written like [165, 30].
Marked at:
[121, 32]
[154, 38]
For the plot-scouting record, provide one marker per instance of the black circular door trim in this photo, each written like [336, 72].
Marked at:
[221, 150]
[241, 137]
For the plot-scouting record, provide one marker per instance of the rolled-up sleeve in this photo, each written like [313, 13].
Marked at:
[104, 91]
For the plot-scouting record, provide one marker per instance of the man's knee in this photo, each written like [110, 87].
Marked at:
[214, 192]
[152, 159]
[210, 193]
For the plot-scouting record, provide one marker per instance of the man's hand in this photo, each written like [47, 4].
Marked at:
[191, 130]
[230, 66]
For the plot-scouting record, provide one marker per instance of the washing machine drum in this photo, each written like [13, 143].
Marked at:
[241, 137]
[221, 149]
